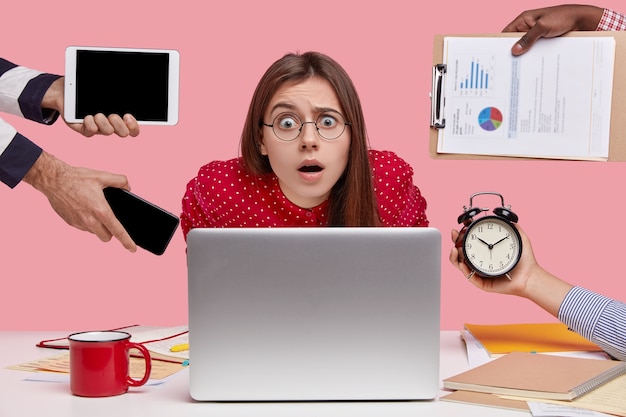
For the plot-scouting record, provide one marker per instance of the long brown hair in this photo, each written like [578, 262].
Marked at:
[352, 201]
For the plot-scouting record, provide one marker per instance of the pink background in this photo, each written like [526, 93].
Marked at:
[58, 278]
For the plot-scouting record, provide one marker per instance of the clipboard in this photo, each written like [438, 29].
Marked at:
[617, 136]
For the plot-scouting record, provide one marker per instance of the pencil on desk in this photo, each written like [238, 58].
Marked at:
[180, 348]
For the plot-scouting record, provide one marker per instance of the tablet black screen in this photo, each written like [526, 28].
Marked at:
[122, 82]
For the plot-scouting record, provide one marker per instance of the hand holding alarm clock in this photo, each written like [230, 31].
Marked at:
[489, 245]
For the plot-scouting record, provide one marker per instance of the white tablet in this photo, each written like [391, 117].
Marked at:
[142, 82]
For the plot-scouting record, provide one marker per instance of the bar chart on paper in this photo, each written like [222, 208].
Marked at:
[474, 75]
[474, 107]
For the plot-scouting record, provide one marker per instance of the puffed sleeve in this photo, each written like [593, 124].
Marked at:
[208, 199]
[400, 202]
[196, 201]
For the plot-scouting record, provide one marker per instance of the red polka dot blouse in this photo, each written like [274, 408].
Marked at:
[223, 194]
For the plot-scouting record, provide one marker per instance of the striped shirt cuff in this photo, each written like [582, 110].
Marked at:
[611, 20]
[581, 310]
[17, 159]
[31, 97]
[22, 90]
[597, 318]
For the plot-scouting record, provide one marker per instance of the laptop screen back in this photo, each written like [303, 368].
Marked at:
[306, 314]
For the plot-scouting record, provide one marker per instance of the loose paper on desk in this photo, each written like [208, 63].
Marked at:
[555, 410]
[158, 340]
[607, 398]
[60, 363]
[552, 102]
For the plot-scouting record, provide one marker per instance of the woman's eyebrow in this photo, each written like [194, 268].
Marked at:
[289, 106]
[283, 105]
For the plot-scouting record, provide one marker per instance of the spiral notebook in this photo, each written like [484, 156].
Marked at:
[534, 375]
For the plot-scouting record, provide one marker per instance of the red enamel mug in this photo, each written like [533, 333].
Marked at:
[99, 363]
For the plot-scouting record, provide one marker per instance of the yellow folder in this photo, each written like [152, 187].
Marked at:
[500, 339]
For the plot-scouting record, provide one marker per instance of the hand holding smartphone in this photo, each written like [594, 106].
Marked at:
[150, 227]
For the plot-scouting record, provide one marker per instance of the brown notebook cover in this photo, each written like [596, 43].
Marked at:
[486, 400]
[532, 375]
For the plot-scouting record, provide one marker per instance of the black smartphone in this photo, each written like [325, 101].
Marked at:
[148, 225]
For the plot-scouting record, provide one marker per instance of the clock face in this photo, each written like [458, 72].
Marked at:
[491, 246]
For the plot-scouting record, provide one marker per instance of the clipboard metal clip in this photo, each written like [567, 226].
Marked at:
[437, 97]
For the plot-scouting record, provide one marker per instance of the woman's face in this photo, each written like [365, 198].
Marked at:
[308, 166]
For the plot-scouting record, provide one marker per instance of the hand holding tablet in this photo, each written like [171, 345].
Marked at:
[118, 81]
[142, 82]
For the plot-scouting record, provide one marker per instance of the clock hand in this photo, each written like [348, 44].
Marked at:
[489, 245]
[506, 237]
[484, 242]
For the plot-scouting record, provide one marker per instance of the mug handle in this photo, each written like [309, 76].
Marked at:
[146, 356]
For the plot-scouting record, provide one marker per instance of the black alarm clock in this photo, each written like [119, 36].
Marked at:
[489, 245]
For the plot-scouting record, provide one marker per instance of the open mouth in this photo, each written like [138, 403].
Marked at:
[310, 168]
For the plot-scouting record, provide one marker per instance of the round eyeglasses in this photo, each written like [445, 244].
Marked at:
[329, 125]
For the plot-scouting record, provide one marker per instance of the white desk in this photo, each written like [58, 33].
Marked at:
[19, 397]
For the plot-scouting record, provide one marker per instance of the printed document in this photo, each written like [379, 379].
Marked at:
[552, 102]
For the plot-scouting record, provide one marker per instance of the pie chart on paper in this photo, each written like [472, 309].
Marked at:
[490, 118]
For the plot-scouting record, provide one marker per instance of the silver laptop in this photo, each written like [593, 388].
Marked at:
[314, 314]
